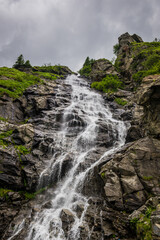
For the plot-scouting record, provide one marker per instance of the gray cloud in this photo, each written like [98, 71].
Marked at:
[67, 31]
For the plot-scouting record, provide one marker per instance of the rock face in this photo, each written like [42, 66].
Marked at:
[124, 187]
[130, 177]
[28, 145]
[100, 69]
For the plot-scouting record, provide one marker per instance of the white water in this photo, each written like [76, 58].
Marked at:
[88, 106]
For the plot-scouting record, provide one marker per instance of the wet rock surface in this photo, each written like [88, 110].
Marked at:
[119, 190]
[21, 171]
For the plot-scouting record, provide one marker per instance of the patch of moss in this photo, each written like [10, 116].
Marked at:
[109, 84]
[147, 178]
[142, 225]
[29, 196]
[4, 138]
[120, 101]
[103, 175]
[4, 193]
[3, 119]
[22, 149]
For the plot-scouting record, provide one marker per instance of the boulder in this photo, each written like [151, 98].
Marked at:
[132, 175]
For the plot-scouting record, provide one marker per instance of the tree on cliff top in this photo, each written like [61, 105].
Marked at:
[20, 63]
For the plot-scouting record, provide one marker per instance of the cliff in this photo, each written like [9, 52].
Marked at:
[125, 186]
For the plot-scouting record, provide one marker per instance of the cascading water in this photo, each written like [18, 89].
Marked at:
[79, 137]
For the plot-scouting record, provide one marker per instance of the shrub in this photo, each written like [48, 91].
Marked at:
[116, 48]
[120, 101]
[108, 84]
[142, 225]
[87, 67]
[21, 64]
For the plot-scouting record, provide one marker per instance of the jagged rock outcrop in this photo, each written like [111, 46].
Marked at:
[100, 69]
[124, 187]
[28, 143]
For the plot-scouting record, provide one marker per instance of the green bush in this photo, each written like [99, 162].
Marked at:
[116, 48]
[120, 101]
[110, 83]
[21, 64]
[142, 225]
[87, 67]
[58, 70]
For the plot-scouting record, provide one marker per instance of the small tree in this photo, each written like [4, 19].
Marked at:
[27, 64]
[116, 48]
[19, 63]
[87, 62]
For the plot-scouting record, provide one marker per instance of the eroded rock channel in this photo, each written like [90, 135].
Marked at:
[71, 139]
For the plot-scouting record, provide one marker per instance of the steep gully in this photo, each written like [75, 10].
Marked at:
[87, 136]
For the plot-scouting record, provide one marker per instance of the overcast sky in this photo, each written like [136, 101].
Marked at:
[67, 31]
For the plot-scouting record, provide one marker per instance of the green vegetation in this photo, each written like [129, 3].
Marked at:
[58, 70]
[147, 178]
[28, 195]
[120, 101]
[14, 82]
[22, 150]
[50, 76]
[109, 84]
[147, 57]
[4, 141]
[4, 193]
[87, 67]
[3, 119]
[116, 48]
[103, 174]
[142, 225]
[21, 64]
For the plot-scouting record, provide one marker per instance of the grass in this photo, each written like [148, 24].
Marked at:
[146, 60]
[146, 56]
[3, 119]
[109, 84]
[4, 141]
[29, 196]
[14, 82]
[147, 178]
[4, 193]
[142, 225]
[103, 175]
[22, 149]
[57, 69]
[50, 76]
[120, 101]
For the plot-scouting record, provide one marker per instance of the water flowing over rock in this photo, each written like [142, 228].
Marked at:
[86, 135]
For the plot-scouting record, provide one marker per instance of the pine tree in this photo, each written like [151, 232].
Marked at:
[19, 63]
[27, 64]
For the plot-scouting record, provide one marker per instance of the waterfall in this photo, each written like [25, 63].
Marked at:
[88, 134]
